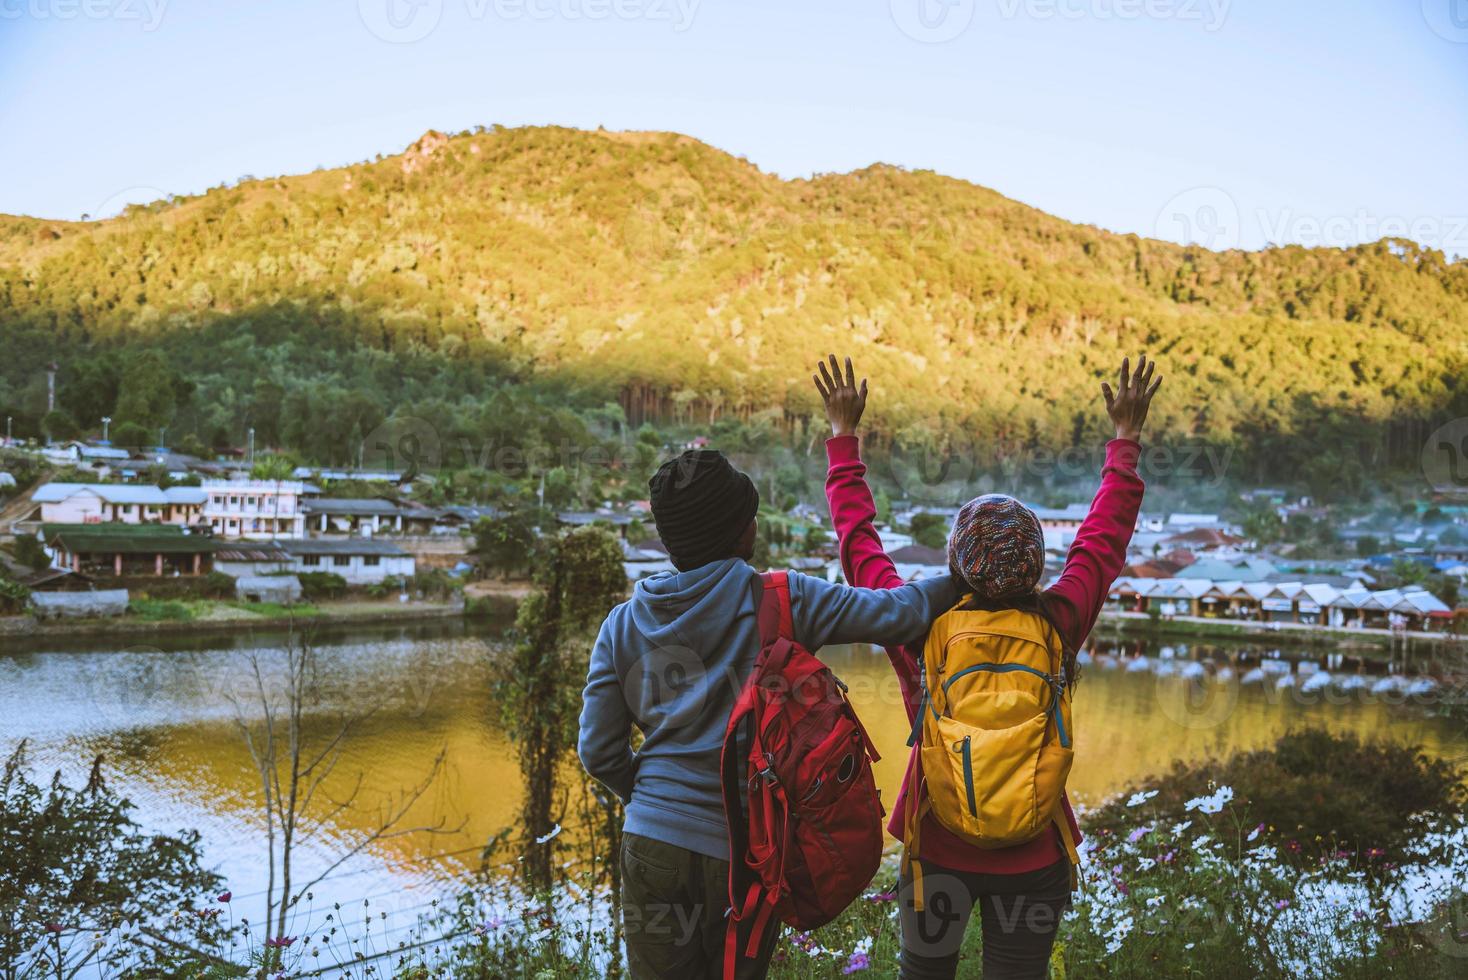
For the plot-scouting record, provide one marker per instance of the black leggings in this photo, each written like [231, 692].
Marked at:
[1020, 914]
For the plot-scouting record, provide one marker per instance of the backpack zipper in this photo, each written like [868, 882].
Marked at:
[968, 774]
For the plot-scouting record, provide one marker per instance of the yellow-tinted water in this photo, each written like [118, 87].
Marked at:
[168, 723]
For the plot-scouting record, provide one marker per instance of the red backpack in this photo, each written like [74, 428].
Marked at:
[812, 836]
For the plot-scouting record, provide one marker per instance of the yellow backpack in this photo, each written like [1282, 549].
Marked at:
[995, 733]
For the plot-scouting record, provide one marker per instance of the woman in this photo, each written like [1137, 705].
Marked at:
[997, 547]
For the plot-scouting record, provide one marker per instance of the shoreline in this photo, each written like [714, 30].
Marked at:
[1379, 642]
[321, 616]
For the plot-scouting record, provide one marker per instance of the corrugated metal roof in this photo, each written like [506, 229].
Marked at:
[343, 546]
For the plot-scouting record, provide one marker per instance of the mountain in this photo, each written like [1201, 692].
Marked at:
[688, 284]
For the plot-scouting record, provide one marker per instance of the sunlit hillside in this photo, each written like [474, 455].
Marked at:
[684, 281]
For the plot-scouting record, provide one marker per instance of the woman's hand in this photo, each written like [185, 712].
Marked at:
[844, 400]
[1128, 405]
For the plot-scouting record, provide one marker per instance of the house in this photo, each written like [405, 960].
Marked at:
[1059, 524]
[283, 589]
[361, 561]
[1206, 541]
[115, 503]
[1237, 569]
[1184, 521]
[573, 518]
[367, 515]
[260, 509]
[458, 516]
[101, 460]
[128, 549]
[245, 560]
[77, 605]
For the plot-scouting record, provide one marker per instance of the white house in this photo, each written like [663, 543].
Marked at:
[1060, 524]
[260, 509]
[361, 561]
[100, 458]
[116, 503]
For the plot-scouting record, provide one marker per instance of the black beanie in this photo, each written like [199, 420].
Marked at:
[701, 505]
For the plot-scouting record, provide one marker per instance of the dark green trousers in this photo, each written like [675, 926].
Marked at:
[673, 903]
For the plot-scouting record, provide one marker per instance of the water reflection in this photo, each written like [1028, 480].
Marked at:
[166, 721]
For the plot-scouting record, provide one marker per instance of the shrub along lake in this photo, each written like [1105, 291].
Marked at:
[165, 718]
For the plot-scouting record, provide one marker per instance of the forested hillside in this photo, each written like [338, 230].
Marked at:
[537, 274]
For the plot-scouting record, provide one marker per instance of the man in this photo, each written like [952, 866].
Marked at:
[671, 661]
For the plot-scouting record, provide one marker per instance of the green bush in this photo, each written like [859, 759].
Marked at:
[28, 552]
[322, 585]
[1325, 791]
[13, 597]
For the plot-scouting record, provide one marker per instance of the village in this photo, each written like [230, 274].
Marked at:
[87, 546]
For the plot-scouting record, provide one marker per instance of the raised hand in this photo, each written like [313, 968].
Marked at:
[844, 400]
[1128, 405]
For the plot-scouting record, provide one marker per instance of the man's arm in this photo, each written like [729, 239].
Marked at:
[822, 612]
[606, 724]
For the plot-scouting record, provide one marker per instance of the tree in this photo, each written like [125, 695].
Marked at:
[28, 551]
[294, 758]
[59, 426]
[815, 539]
[1368, 545]
[1263, 526]
[930, 530]
[275, 468]
[579, 577]
[148, 390]
[506, 543]
[131, 435]
[75, 865]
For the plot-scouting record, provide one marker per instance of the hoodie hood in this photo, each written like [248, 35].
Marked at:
[695, 610]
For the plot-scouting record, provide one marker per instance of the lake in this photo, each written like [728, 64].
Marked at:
[165, 716]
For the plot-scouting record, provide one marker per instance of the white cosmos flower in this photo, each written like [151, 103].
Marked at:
[1137, 799]
[1211, 804]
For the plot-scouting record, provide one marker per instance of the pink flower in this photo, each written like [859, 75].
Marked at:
[53, 927]
[888, 896]
[1138, 834]
[857, 963]
[1282, 904]
[280, 942]
[225, 897]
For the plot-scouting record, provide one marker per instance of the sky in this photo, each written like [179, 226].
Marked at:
[1232, 123]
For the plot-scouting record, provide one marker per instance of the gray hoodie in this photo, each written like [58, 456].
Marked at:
[672, 659]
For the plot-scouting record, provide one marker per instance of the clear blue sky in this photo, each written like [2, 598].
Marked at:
[1245, 121]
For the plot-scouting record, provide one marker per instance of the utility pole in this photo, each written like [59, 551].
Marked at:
[51, 370]
[251, 455]
[8, 420]
[106, 421]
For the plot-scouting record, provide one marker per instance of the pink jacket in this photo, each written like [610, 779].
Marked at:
[1075, 599]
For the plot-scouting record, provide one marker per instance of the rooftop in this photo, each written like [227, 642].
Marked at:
[126, 539]
[343, 546]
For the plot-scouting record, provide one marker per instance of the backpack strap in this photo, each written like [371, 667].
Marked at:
[747, 900]
[774, 616]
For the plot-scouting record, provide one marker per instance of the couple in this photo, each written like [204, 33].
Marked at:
[670, 662]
